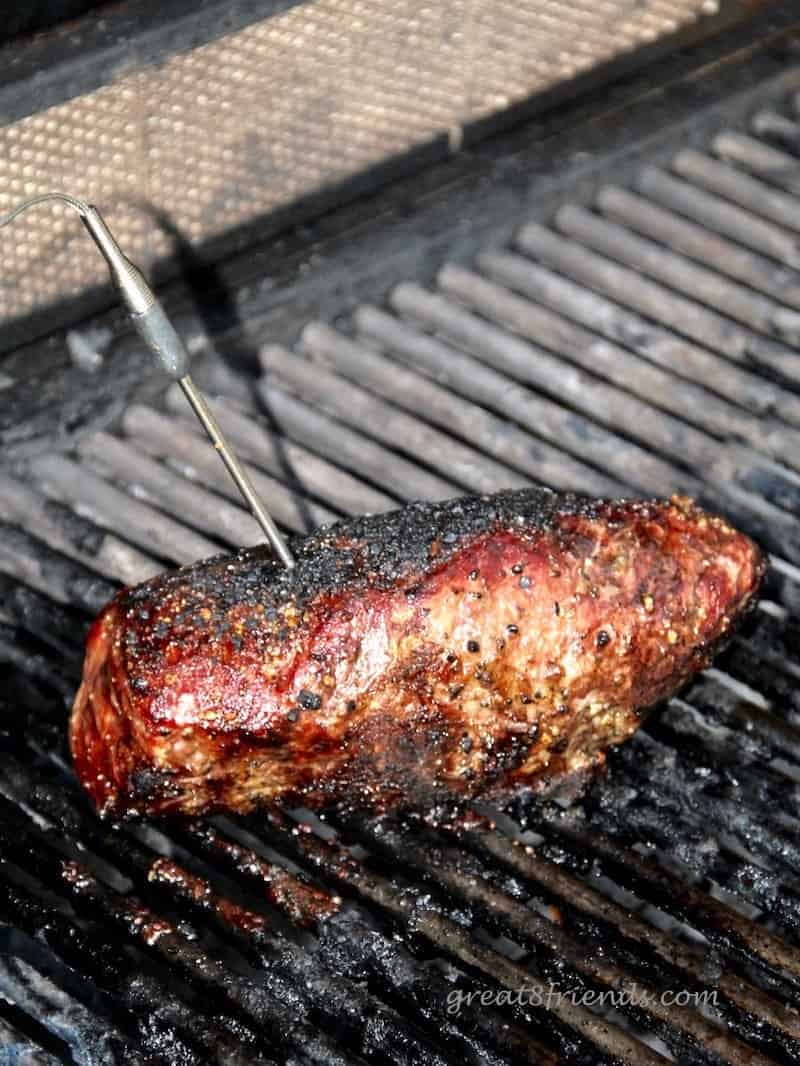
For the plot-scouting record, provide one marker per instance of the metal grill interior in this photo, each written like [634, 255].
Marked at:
[218, 118]
[640, 339]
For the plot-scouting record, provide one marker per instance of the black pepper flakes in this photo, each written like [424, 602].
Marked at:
[603, 638]
[517, 568]
[556, 608]
[511, 628]
[466, 744]
[310, 701]
[473, 646]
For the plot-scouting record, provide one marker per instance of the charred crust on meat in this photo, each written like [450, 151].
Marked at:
[331, 559]
[436, 653]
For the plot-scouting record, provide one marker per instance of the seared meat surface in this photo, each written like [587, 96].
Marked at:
[443, 650]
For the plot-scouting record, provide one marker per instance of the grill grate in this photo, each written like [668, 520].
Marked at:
[643, 341]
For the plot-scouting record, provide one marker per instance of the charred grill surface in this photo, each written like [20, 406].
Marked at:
[447, 650]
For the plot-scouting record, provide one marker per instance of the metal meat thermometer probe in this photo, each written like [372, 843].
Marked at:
[158, 333]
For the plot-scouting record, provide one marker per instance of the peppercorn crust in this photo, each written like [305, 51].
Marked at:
[439, 652]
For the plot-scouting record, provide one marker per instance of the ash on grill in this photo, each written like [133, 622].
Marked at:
[640, 343]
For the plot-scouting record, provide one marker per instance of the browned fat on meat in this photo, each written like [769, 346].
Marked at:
[447, 651]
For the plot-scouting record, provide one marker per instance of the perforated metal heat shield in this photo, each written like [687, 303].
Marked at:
[198, 127]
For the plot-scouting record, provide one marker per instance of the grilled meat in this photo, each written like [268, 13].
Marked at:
[443, 650]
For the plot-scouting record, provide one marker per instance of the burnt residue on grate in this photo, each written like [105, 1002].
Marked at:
[639, 341]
